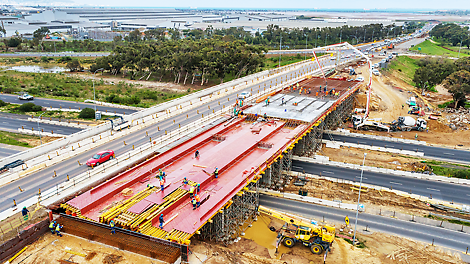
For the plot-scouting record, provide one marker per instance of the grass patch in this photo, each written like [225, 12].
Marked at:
[429, 48]
[16, 139]
[358, 245]
[63, 87]
[273, 62]
[453, 221]
[448, 169]
[406, 68]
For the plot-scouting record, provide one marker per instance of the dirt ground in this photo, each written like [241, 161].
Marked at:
[16, 221]
[258, 247]
[51, 249]
[374, 158]
[372, 199]
[389, 92]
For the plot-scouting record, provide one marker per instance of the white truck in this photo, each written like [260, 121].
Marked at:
[408, 123]
[25, 96]
[360, 123]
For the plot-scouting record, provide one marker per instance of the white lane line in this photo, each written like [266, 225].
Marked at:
[397, 183]
[297, 167]
[330, 172]
[446, 153]
[431, 189]
[364, 178]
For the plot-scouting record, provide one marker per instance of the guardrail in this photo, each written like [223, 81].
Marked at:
[206, 93]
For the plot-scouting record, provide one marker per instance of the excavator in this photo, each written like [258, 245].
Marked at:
[296, 229]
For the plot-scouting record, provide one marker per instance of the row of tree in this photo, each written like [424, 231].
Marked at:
[453, 75]
[452, 33]
[184, 59]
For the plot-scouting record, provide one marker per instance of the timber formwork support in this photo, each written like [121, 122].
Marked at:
[230, 222]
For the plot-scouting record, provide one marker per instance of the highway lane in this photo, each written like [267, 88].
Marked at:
[5, 152]
[429, 152]
[438, 190]
[12, 125]
[425, 233]
[10, 98]
[44, 180]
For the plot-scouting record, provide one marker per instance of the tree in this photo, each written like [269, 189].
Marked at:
[74, 65]
[87, 113]
[458, 84]
[134, 36]
[39, 34]
[14, 42]
[432, 72]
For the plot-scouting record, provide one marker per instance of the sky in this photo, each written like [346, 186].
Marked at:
[291, 4]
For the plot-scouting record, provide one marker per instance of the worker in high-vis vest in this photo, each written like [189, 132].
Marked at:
[162, 184]
[198, 187]
[193, 201]
[191, 191]
[216, 173]
[198, 200]
[161, 174]
[52, 226]
[57, 230]
[185, 181]
[113, 231]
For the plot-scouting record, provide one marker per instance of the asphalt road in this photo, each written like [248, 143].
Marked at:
[5, 152]
[438, 190]
[425, 233]
[55, 54]
[12, 125]
[10, 98]
[429, 152]
[43, 179]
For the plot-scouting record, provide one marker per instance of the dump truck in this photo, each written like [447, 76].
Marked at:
[317, 238]
[359, 123]
[408, 123]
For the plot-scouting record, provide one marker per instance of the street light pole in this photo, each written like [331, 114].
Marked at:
[358, 198]
[280, 48]
[94, 96]
[39, 130]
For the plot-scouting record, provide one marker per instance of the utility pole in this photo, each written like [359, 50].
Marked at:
[280, 48]
[94, 96]
[358, 198]
[39, 130]
[460, 48]
[306, 39]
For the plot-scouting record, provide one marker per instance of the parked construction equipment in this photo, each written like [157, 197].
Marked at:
[408, 123]
[296, 229]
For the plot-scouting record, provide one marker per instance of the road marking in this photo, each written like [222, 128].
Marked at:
[397, 183]
[431, 189]
[330, 172]
[364, 178]
[297, 167]
[448, 153]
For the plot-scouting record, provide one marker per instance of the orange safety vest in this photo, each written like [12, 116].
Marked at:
[162, 182]
[197, 198]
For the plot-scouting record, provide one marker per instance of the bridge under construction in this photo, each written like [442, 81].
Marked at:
[251, 150]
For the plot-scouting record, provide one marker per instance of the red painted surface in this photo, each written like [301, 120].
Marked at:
[237, 156]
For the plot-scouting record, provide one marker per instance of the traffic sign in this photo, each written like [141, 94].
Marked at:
[346, 220]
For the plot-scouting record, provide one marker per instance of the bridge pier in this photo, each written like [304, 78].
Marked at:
[229, 224]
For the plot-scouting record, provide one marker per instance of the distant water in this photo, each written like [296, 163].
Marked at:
[38, 69]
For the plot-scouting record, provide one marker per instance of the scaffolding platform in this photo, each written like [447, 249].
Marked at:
[239, 153]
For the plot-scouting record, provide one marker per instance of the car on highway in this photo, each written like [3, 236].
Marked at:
[244, 95]
[25, 96]
[100, 157]
[375, 72]
[360, 79]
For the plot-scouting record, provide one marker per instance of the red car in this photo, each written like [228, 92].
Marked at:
[100, 157]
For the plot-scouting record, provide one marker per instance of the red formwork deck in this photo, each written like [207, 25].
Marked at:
[233, 147]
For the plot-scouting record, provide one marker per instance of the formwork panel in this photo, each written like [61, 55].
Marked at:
[122, 239]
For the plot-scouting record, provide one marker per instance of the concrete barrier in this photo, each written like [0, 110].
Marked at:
[341, 131]
[337, 144]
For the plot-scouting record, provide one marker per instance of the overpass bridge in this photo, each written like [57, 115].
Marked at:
[250, 152]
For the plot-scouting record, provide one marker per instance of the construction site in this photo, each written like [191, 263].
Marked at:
[257, 147]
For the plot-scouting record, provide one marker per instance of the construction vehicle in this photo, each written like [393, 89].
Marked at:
[416, 110]
[360, 123]
[408, 123]
[117, 123]
[297, 229]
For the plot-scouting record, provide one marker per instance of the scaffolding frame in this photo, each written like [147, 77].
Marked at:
[231, 221]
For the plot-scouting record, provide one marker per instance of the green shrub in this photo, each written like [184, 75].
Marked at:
[2, 103]
[36, 108]
[87, 113]
[27, 107]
